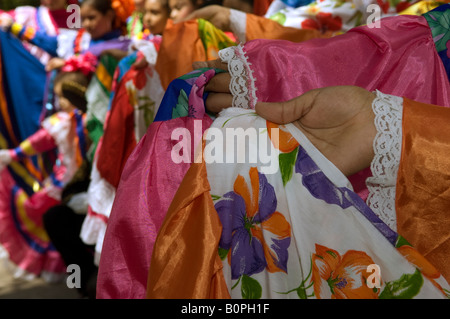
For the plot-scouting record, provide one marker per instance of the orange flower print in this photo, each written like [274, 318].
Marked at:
[286, 143]
[414, 257]
[341, 277]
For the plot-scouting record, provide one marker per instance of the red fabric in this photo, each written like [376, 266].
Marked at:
[60, 17]
[118, 140]
[260, 7]
[149, 182]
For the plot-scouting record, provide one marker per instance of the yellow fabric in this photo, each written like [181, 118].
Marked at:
[185, 261]
[423, 183]
[421, 7]
[16, 28]
[213, 39]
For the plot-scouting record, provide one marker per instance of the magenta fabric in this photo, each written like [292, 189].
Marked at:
[21, 229]
[398, 58]
[148, 183]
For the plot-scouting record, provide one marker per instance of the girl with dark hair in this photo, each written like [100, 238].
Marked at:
[103, 27]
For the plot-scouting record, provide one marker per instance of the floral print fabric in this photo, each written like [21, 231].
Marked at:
[301, 231]
[439, 22]
[337, 16]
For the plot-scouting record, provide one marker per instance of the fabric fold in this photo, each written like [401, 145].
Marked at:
[191, 213]
[423, 216]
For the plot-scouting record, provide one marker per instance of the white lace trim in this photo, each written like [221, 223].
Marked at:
[387, 144]
[242, 84]
[238, 24]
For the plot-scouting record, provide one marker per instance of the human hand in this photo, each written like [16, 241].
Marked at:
[338, 120]
[5, 159]
[218, 88]
[55, 63]
[5, 21]
[218, 15]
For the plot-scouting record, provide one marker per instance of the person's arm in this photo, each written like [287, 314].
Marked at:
[246, 26]
[38, 38]
[39, 142]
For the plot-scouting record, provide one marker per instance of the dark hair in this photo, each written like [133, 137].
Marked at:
[102, 6]
[165, 5]
[73, 85]
[206, 3]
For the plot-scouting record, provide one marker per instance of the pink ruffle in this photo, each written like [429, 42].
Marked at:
[27, 251]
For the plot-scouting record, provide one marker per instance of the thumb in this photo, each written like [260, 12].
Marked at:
[287, 111]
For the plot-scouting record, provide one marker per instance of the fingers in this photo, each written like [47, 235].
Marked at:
[218, 87]
[220, 83]
[288, 111]
[216, 102]
[215, 64]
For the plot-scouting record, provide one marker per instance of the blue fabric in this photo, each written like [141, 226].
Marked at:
[175, 101]
[125, 65]
[46, 42]
[176, 94]
[24, 79]
[296, 3]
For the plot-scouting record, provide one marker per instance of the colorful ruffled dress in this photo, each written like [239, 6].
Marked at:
[22, 204]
